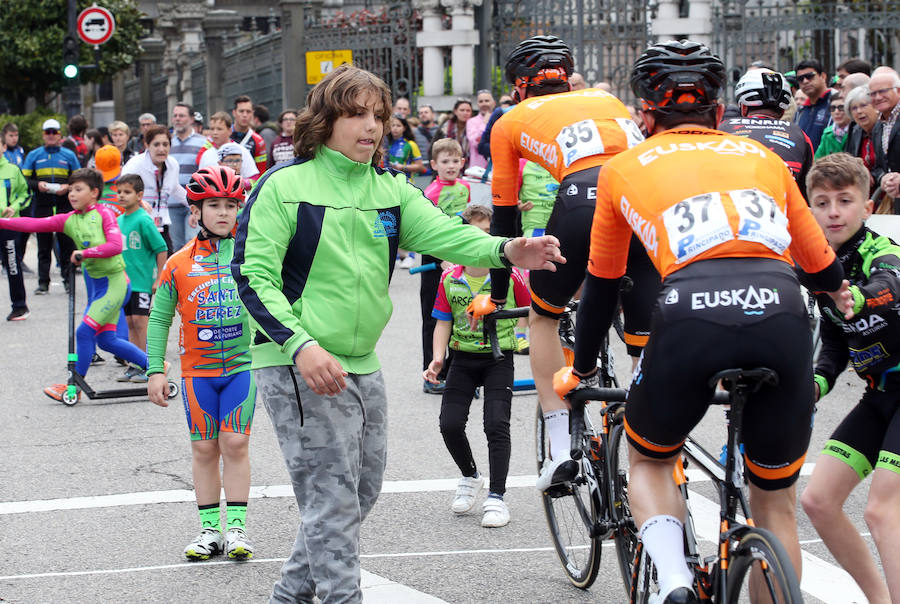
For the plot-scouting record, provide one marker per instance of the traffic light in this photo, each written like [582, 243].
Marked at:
[70, 57]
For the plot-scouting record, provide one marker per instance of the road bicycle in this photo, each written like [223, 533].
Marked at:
[593, 507]
[742, 547]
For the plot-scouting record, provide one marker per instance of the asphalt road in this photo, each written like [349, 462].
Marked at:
[95, 504]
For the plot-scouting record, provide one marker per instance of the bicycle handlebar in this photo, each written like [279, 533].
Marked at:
[579, 398]
[489, 325]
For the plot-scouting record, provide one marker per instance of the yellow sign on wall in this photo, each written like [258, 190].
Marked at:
[321, 62]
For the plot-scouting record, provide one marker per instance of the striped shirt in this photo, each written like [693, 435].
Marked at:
[185, 151]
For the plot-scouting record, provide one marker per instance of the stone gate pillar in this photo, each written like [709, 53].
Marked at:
[216, 26]
[429, 40]
[293, 49]
[465, 39]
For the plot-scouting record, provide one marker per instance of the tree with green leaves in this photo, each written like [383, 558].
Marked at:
[31, 61]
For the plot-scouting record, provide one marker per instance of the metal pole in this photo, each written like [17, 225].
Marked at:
[483, 63]
[72, 92]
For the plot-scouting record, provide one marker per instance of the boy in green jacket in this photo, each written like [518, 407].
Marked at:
[13, 199]
[313, 258]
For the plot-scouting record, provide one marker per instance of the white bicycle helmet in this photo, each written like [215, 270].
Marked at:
[763, 88]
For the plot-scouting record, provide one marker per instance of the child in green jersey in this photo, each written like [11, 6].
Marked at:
[474, 366]
[145, 253]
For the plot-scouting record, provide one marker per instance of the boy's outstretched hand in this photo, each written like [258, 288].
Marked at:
[321, 371]
[534, 253]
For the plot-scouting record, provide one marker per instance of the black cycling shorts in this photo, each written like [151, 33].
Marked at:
[722, 314]
[639, 298]
[869, 437]
[570, 222]
[138, 304]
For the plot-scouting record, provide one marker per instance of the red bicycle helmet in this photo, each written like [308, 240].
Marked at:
[214, 182]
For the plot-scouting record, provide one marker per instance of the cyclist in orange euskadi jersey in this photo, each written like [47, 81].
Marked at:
[721, 218]
[571, 134]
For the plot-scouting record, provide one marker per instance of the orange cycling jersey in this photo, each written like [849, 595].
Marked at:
[694, 194]
[564, 133]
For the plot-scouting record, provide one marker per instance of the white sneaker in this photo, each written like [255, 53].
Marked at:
[207, 543]
[408, 262]
[466, 490]
[237, 545]
[556, 471]
[496, 514]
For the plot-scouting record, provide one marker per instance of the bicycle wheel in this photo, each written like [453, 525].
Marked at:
[644, 582]
[625, 532]
[760, 552]
[572, 511]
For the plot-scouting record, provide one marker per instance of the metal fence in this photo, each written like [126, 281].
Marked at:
[782, 33]
[254, 69]
[382, 42]
[606, 36]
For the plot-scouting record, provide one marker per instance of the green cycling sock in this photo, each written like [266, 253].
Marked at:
[209, 516]
[236, 514]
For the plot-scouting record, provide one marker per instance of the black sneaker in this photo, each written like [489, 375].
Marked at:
[18, 314]
[98, 360]
[42, 290]
[121, 361]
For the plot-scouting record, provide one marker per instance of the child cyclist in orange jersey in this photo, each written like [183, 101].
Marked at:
[93, 228]
[217, 387]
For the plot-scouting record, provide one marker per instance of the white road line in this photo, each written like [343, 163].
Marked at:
[259, 492]
[821, 579]
[376, 589]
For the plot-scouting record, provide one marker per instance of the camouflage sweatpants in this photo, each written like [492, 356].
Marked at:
[336, 462]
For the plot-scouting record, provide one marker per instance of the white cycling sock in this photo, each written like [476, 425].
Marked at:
[663, 538]
[557, 423]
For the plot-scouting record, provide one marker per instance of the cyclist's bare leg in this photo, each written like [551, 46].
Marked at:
[236, 465]
[831, 483]
[205, 470]
[651, 489]
[774, 510]
[653, 497]
[546, 357]
[883, 518]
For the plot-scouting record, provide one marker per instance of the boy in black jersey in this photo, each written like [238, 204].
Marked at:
[869, 437]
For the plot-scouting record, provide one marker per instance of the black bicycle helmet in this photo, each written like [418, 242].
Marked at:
[536, 54]
[763, 88]
[677, 76]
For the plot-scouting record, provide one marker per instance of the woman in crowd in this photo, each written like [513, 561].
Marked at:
[159, 172]
[859, 142]
[119, 133]
[455, 126]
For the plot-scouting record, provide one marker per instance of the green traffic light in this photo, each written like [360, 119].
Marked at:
[70, 71]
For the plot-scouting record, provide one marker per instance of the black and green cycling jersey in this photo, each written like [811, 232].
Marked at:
[870, 341]
[315, 250]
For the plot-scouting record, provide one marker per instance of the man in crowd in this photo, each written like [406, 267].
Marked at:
[262, 125]
[47, 171]
[77, 126]
[14, 153]
[186, 145]
[401, 107]
[815, 113]
[424, 132]
[884, 89]
[136, 144]
[244, 135]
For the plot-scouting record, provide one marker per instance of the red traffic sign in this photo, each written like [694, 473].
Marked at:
[95, 25]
